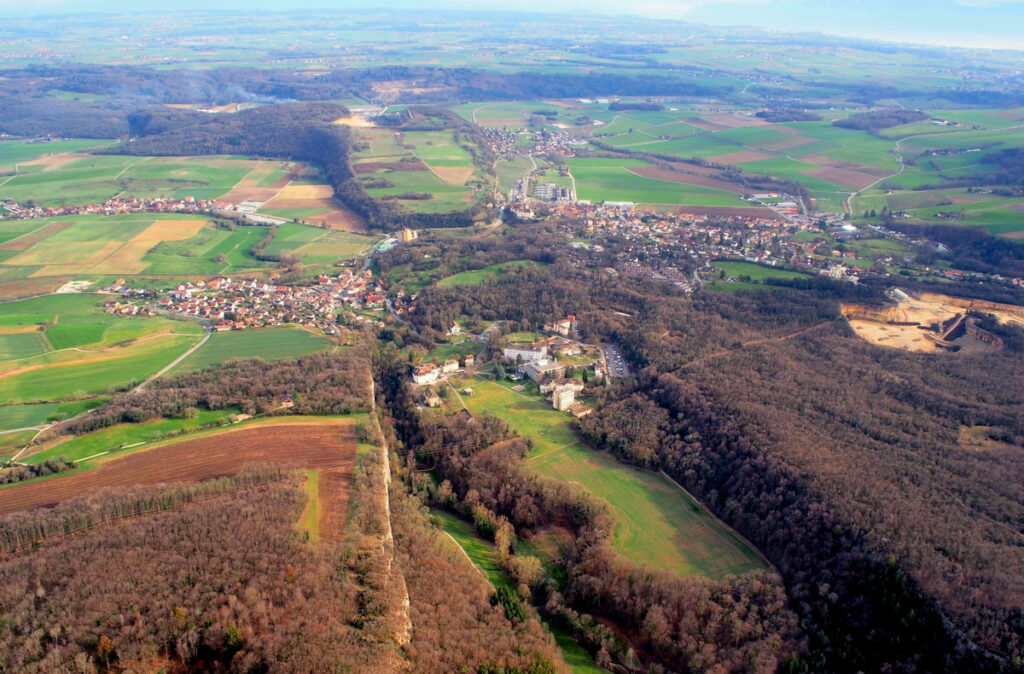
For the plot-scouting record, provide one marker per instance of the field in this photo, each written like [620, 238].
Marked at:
[478, 276]
[128, 245]
[25, 416]
[756, 272]
[398, 159]
[80, 351]
[70, 179]
[657, 523]
[317, 245]
[324, 444]
[615, 180]
[265, 343]
[26, 156]
[312, 204]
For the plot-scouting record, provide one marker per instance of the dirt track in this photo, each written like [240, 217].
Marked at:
[327, 445]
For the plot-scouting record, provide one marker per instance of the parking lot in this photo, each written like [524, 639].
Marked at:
[618, 368]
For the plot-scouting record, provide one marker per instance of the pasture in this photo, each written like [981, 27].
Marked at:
[317, 245]
[266, 343]
[656, 523]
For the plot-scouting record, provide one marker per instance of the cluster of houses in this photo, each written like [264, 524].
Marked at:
[236, 304]
[16, 211]
[431, 373]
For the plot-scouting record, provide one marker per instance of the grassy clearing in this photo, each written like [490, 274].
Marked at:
[443, 352]
[265, 343]
[509, 171]
[657, 523]
[310, 519]
[478, 276]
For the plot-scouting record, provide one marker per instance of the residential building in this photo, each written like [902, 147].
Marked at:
[450, 365]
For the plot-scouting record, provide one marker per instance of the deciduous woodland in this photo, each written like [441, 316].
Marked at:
[843, 462]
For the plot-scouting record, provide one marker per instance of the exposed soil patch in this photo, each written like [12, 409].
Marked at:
[327, 445]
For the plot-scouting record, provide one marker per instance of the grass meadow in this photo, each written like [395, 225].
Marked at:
[657, 523]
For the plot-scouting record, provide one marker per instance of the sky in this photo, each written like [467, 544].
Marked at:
[997, 24]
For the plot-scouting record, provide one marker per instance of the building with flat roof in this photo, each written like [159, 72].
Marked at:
[529, 353]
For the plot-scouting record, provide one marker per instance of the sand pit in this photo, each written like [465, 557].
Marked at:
[905, 324]
[355, 121]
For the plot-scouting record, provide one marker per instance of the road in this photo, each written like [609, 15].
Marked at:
[207, 331]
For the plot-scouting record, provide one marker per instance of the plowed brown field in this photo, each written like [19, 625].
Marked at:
[327, 445]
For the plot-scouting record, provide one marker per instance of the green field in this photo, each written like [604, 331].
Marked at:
[442, 151]
[310, 520]
[610, 180]
[90, 376]
[93, 179]
[756, 272]
[509, 171]
[443, 352]
[14, 152]
[657, 523]
[126, 437]
[23, 416]
[317, 245]
[478, 276]
[265, 343]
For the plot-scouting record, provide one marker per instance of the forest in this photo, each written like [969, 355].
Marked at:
[318, 384]
[843, 462]
[676, 624]
[877, 120]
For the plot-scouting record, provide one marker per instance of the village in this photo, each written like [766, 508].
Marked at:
[238, 304]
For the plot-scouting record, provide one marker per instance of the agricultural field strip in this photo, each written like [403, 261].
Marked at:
[307, 441]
